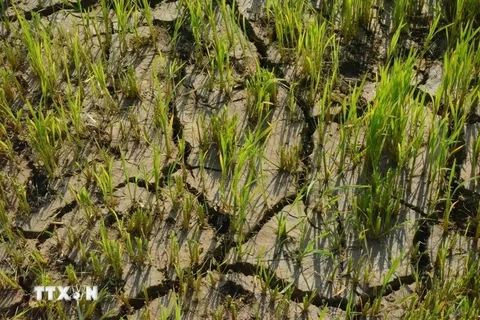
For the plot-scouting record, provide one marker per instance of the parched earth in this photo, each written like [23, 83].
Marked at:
[199, 256]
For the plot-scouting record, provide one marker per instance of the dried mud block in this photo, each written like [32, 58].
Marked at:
[157, 308]
[395, 304]
[470, 172]
[111, 308]
[4, 247]
[169, 232]
[304, 257]
[10, 298]
[251, 9]
[87, 235]
[265, 192]
[434, 78]
[137, 278]
[369, 91]
[457, 252]
[375, 262]
[66, 22]
[62, 202]
[132, 195]
[28, 6]
[284, 140]
[245, 292]
[167, 12]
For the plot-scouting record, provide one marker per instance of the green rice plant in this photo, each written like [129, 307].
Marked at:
[128, 84]
[262, 94]
[314, 43]
[195, 13]
[83, 200]
[161, 111]
[100, 85]
[113, 252]
[45, 133]
[40, 53]
[147, 14]
[137, 249]
[103, 178]
[140, 223]
[174, 250]
[354, 15]
[438, 146]
[98, 268]
[402, 12]
[6, 229]
[387, 117]
[475, 156]
[290, 159]
[21, 195]
[281, 226]
[307, 300]
[12, 54]
[6, 280]
[86, 309]
[71, 274]
[224, 135]
[193, 248]
[449, 206]
[459, 14]
[288, 17]
[220, 65]
[307, 246]
[377, 208]
[79, 57]
[386, 279]
[123, 11]
[10, 86]
[188, 206]
[6, 145]
[460, 67]
[75, 108]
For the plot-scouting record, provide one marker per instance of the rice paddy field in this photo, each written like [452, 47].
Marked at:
[240, 159]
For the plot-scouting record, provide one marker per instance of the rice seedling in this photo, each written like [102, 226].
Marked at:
[140, 223]
[113, 252]
[459, 63]
[40, 54]
[128, 84]
[103, 178]
[98, 268]
[71, 274]
[290, 159]
[161, 111]
[220, 64]
[193, 248]
[174, 250]
[6, 280]
[377, 208]
[308, 246]
[224, 135]
[123, 11]
[288, 19]
[100, 86]
[262, 89]
[85, 202]
[137, 249]
[388, 116]
[45, 138]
